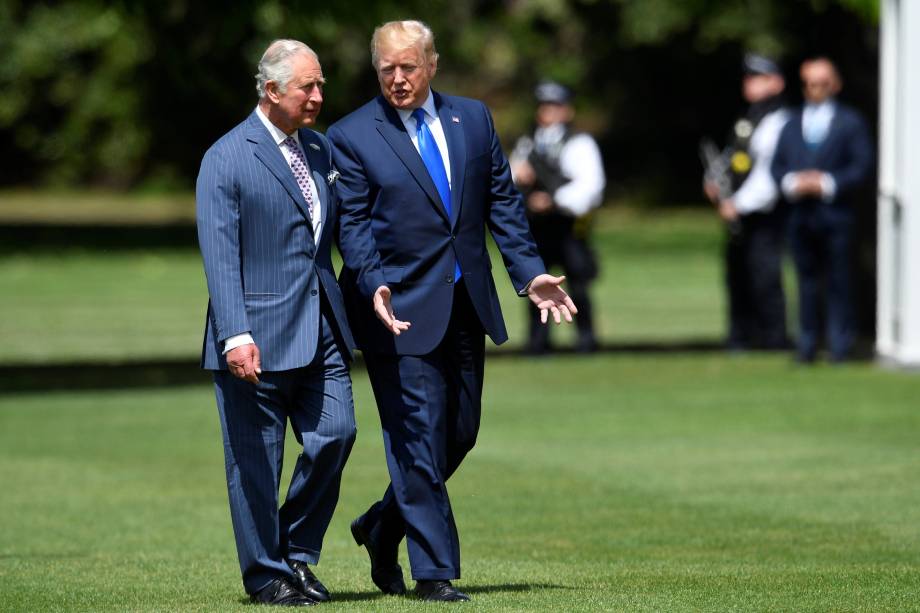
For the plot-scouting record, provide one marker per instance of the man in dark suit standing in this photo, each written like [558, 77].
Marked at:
[276, 335]
[824, 153]
[422, 177]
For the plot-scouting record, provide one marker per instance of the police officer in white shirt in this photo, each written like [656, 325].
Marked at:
[561, 175]
[753, 251]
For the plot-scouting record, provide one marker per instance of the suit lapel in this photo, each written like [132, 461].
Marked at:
[809, 153]
[456, 151]
[268, 152]
[393, 131]
[829, 142]
[317, 163]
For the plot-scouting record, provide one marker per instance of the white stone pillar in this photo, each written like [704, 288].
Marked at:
[898, 309]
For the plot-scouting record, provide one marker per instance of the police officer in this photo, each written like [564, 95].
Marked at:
[561, 175]
[753, 253]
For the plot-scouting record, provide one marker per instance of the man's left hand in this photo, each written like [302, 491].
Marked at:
[727, 211]
[539, 202]
[546, 292]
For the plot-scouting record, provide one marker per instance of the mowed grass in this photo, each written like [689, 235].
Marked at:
[660, 282]
[623, 482]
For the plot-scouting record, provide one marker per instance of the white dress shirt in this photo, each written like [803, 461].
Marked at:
[434, 124]
[280, 137]
[816, 121]
[246, 338]
[759, 192]
[580, 162]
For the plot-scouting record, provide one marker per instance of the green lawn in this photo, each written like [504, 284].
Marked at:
[660, 282]
[615, 482]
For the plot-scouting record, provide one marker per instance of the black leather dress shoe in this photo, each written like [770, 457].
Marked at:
[439, 591]
[386, 572]
[308, 583]
[282, 593]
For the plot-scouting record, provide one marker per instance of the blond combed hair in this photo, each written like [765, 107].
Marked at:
[403, 35]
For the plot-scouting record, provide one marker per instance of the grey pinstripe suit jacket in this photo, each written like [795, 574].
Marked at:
[264, 270]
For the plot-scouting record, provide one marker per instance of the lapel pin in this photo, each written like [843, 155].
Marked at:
[314, 146]
[455, 119]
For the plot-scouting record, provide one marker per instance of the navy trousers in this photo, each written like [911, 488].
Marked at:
[753, 278]
[429, 407]
[317, 399]
[821, 241]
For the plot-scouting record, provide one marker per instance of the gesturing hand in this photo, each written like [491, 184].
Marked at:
[384, 311]
[546, 292]
[244, 362]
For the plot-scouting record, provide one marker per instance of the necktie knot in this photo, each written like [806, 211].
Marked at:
[419, 116]
[289, 142]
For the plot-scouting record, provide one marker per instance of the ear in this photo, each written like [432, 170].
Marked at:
[432, 67]
[271, 91]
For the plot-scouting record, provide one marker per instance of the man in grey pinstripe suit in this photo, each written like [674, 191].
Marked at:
[276, 336]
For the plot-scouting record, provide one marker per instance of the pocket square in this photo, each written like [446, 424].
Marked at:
[314, 146]
[332, 177]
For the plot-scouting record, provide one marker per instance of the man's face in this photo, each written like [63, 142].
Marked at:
[757, 87]
[299, 105]
[819, 81]
[551, 113]
[404, 76]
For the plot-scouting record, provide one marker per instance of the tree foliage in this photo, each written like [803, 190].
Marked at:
[130, 93]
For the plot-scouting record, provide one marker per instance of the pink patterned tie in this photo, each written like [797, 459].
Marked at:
[301, 172]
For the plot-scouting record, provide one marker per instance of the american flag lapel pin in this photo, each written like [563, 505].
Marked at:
[455, 119]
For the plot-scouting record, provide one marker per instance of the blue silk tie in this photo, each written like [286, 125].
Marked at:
[431, 156]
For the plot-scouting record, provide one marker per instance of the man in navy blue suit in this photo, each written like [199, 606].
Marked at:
[276, 336]
[824, 153]
[422, 178]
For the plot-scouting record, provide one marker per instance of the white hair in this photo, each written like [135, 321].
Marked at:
[275, 64]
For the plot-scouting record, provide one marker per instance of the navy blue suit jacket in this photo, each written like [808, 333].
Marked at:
[845, 153]
[395, 231]
[263, 267]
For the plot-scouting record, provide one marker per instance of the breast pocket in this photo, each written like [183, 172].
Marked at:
[480, 162]
[393, 274]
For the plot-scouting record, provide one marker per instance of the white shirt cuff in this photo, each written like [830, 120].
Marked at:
[788, 185]
[828, 187]
[526, 289]
[238, 341]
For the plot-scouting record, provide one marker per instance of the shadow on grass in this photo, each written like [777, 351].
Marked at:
[471, 589]
[125, 374]
[337, 597]
[36, 238]
[512, 587]
[180, 372]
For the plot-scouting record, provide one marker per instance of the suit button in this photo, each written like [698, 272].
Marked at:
[313, 292]
[453, 237]
[449, 279]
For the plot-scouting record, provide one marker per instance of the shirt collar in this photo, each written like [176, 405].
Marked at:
[274, 130]
[428, 107]
[826, 107]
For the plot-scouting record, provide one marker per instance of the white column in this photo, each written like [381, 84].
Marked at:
[898, 320]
